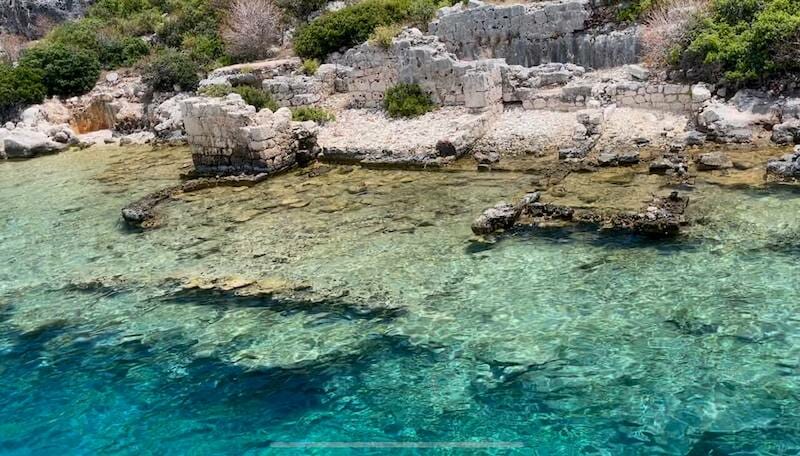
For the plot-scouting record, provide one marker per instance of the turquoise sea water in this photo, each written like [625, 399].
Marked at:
[558, 342]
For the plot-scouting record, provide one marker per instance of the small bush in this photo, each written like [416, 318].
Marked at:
[384, 35]
[301, 9]
[252, 29]
[666, 29]
[407, 100]
[19, 87]
[318, 115]
[215, 90]
[170, 68]
[256, 97]
[310, 67]
[11, 46]
[65, 72]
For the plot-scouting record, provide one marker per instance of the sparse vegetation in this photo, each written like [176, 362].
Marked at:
[251, 95]
[252, 29]
[667, 27]
[384, 35]
[310, 67]
[311, 113]
[407, 100]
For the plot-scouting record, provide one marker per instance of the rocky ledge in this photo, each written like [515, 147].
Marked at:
[786, 168]
[660, 217]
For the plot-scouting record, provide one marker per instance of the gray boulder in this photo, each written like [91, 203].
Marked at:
[713, 161]
[786, 167]
[500, 217]
[28, 143]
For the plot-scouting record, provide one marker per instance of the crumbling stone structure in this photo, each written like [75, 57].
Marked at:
[228, 137]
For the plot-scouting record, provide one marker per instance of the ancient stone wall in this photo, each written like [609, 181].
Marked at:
[228, 137]
[367, 71]
[533, 34]
[301, 90]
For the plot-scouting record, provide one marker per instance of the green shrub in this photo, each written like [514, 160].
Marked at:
[301, 9]
[19, 87]
[350, 26]
[65, 72]
[251, 95]
[310, 67]
[407, 100]
[318, 115]
[384, 35]
[746, 41]
[170, 68]
[215, 90]
[256, 97]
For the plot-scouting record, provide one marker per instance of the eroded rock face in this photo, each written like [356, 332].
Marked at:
[534, 33]
[228, 137]
[26, 16]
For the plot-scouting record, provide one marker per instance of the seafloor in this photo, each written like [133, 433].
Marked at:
[355, 305]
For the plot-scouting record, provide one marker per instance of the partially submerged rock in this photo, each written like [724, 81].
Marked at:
[661, 217]
[21, 143]
[713, 161]
[502, 216]
[786, 168]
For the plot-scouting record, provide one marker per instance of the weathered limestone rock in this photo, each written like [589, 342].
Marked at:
[503, 216]
[167, 118]
[24, 16]
[21, 143]
[713, 161]
[228, 137]
[500, 217]
[700, 93]
[252, 73]
[637, 72]
[787, 167]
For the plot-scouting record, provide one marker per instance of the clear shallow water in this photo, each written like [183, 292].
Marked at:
[567, 342]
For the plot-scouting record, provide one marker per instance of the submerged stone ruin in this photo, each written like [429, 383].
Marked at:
[228, 137]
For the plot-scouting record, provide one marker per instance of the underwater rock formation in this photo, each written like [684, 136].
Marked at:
[661, 217]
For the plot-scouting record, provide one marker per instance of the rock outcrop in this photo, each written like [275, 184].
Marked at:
[786, 168]
[534, 33]
[228, 137]
[25, 17]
